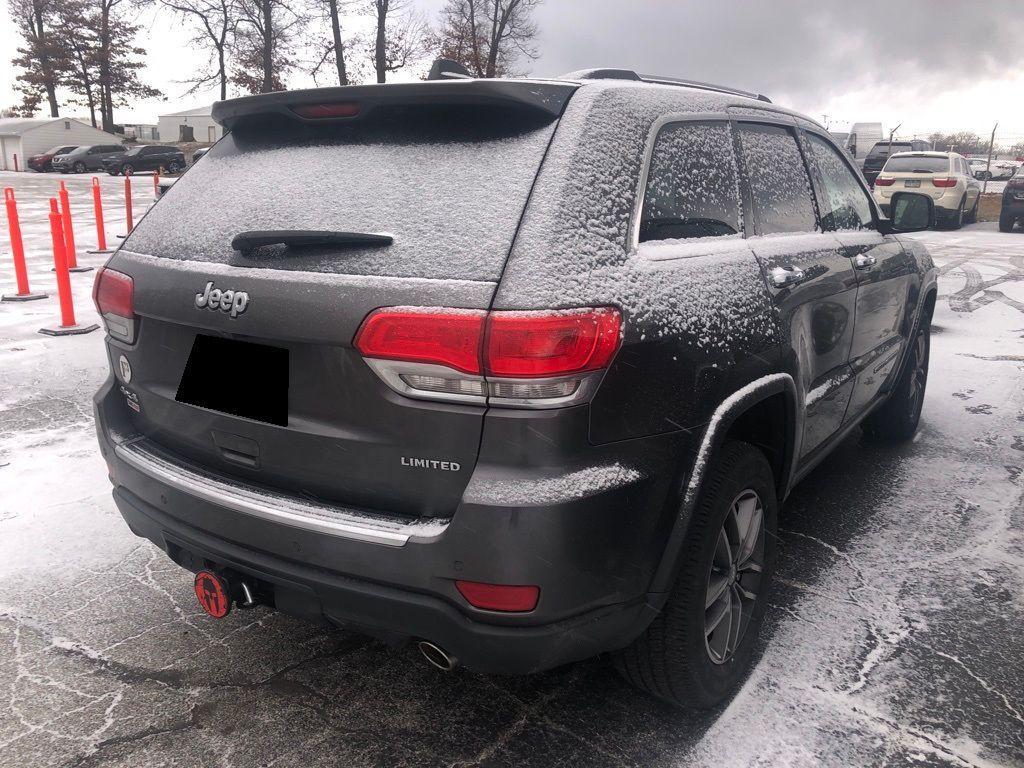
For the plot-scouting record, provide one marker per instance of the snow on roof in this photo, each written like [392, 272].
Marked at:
[188, 112]
[16, 126]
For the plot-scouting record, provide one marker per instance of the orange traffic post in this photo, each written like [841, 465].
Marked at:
[18, 251]
[67, 326]
[129, 224]
[156, 184]
[97, 209]
[70, 251]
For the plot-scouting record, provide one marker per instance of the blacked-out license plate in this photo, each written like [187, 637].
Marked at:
[237, 377]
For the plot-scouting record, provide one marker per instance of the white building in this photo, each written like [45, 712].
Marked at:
[190, 125]
[22, 137]
[141, 131]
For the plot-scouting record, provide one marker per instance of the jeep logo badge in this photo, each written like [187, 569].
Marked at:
[233, 302]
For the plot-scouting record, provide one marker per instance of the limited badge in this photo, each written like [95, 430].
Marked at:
[125, 368]
[212, 594]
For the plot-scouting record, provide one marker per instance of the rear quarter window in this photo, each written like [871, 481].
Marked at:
[692, 184]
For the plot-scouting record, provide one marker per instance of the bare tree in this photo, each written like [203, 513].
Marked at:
[42, 57]
[401, 36]
[487, 36]
[340, 44]
[262, 44]
[213, 22]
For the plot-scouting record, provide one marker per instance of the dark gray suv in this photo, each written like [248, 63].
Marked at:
[89, 158]
[516, 370]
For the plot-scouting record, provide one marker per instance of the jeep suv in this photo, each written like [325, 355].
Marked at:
[517, 370]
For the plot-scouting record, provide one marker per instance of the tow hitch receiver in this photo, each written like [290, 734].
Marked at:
[213, 593]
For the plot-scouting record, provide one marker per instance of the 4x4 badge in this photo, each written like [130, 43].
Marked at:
[233, 302]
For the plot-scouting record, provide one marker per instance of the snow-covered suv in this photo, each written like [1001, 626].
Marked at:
[518, 370]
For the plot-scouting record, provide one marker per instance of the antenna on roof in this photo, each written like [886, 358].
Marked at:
[447, 69]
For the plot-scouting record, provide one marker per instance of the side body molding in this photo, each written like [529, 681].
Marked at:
[714, 434]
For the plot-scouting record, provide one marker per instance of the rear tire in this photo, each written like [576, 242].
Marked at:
[173, 167]
[729, 552]
[897, 420]
[1006, 222]
[127, 169]
[972, 215]
[958, 218]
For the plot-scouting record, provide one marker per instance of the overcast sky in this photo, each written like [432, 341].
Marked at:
[930, 64]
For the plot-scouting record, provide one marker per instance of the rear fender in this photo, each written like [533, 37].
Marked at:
[715, 433]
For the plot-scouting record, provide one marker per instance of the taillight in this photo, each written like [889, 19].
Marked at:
[327, 111]
[529, 358]
[944, 182]
[528, 344]
[450, 338]
[499, 597]
[114, 296]
[881, 182]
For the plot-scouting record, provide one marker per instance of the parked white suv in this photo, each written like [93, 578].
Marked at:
[945, 176]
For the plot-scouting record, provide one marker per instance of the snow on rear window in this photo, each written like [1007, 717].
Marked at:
[450, 188]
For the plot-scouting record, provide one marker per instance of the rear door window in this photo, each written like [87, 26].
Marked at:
[779, 187]
[692, 184]
[842, 204]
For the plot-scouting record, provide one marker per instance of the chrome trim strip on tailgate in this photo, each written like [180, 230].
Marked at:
[271, 505]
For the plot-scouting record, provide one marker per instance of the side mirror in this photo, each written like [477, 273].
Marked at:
[909, 212]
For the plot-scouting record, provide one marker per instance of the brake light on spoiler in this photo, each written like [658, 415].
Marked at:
[526, 359]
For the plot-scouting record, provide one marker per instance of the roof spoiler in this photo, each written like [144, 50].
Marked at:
[354, 102]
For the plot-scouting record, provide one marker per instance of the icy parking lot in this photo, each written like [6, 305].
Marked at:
[894, 637]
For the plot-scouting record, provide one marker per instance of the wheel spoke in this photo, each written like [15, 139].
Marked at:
[716, 588]
[752, 532]
[721, 612]
[736, 620]
[723, 552]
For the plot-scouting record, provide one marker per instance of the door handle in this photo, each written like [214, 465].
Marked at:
[782, 277]
[864, 261]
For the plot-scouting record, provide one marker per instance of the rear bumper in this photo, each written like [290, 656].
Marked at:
[593, 558]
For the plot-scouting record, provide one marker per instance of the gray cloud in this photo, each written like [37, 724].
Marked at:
[799, 50]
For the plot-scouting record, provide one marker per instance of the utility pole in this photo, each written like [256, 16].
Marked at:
[988, 165]
[891, 134]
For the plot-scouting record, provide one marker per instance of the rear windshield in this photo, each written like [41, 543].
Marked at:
[449, 184]
[917, 164]
[882, 150]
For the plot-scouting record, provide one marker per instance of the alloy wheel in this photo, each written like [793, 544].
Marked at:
[735, 577]
[919, 375]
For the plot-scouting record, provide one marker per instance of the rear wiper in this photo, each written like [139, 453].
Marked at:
[301, 238]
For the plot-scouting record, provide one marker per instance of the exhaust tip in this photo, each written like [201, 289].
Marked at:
[437, 656]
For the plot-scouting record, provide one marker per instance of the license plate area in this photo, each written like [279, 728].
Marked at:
[912, 183]
[239, 378]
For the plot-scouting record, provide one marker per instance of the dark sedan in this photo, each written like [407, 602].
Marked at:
[44, 162]
[1012, 209]
[149, 157]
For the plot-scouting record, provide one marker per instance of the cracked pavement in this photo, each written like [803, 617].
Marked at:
[894, 636]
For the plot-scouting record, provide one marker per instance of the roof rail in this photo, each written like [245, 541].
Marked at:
[628, 74]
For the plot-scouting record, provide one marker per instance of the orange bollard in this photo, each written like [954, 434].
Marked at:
[70, 251]
[97, 209]
[129, 224]
[18, 250]
[67, 326]
[156, 184]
